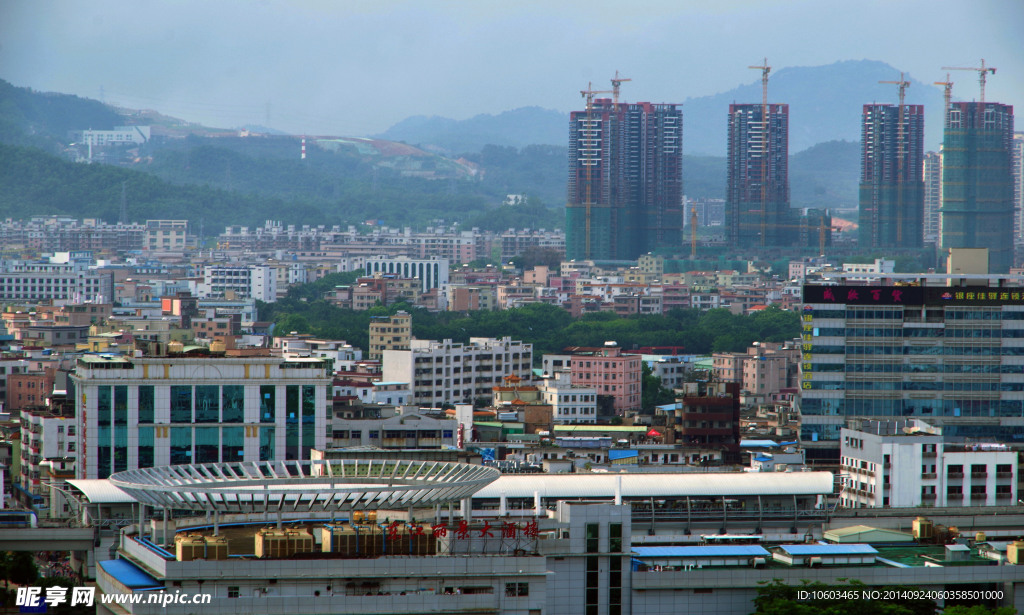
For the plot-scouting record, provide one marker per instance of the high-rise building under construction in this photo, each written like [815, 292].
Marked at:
[757, 209]
[891, 176]
[1018, 188]
[625, 180]
[977, 180]
[932, 196]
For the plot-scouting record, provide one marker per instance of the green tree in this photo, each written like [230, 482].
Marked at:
[978, 609]
[22, 568]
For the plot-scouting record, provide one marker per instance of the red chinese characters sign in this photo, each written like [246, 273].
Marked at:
[913, 295]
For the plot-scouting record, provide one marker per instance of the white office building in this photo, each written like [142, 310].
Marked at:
[450, 372]
[257, 282]
[63, 278]
[142, 412]
[569, 404]
[910, 463]
[432, 272]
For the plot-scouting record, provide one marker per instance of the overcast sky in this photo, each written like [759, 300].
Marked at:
[355, 67]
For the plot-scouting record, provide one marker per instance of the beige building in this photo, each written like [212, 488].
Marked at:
[166, 235]
[764, 369]
[389, 333]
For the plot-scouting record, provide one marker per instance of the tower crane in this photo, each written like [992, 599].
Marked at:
[903, 85]
[983, 72]
[765, 69]
[589, 142]
[947, 95]
[617, 82]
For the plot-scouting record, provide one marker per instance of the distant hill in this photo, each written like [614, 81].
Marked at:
[516, 128]
[825, 175]
[43, 119]
[824, 104]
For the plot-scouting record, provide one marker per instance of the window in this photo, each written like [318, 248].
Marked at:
[233, 591]
[517, 590]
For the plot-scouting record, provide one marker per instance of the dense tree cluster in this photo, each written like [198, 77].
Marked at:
[549, 328]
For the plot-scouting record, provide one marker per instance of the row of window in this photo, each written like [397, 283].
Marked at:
[913, 368]
[897, 314]
[898, 349]
[856, 385]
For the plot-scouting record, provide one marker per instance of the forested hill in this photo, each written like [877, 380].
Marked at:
[36, 183]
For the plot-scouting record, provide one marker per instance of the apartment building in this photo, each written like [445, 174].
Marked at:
[451, 372]
[257, 282]
[569, 403]
[610, 372]
[65, 277]
[389, 333]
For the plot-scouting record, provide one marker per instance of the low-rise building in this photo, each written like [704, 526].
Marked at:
[450, 372]
[910, 463]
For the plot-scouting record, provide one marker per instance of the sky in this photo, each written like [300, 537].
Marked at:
[357, 67]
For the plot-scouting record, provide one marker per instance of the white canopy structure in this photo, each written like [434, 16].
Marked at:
[306, 486]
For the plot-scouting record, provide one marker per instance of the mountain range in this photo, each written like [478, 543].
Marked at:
[824, 104]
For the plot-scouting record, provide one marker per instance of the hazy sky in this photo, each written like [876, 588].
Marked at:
[355, 67]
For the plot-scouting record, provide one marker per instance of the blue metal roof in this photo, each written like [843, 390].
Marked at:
[130, 575]
[616, 454]
[855, 549]
[758, 444]
[715, 551]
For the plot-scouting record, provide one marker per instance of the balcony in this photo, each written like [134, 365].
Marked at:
[929, 475]
[1004, 474]
[955, 475]
[979, 474]
[979, 496]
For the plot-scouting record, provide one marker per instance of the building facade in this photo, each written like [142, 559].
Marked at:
[757, 209]
[449, 372]
[932, 197]
[257, 282]
[144, 412]
[569, 404]
[951, 354]
[977, 181]
[908, 463]
[1018, 187]
[59, 279]
[389, 333]
[610, 372]
[625, 180]
[432, 272]
[891, 176]
[166, 235]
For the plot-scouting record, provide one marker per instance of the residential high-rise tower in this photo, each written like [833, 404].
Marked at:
[977, 180]
[625, 180]
[757, 194]
[891, 176]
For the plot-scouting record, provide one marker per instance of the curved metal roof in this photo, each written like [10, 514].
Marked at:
[644, 484]
[320, 485]
[100, 491]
